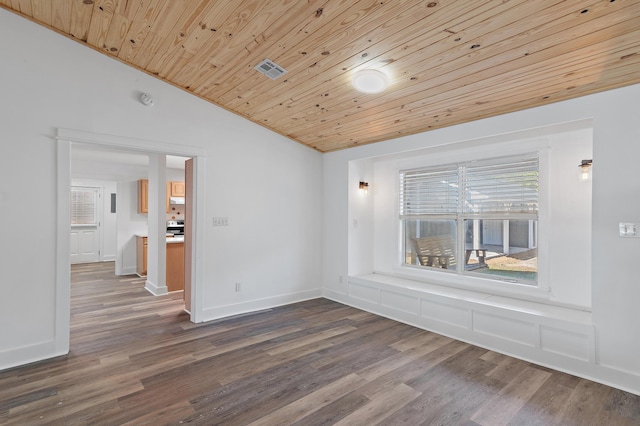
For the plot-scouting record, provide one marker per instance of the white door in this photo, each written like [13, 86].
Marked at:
[492, 232]
[86, 205]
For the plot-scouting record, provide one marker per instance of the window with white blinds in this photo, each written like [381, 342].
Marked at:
[503, 186]
[429, 191]
[476, 217]
[84, 206]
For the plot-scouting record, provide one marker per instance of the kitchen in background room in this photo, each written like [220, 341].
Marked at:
[175, 218]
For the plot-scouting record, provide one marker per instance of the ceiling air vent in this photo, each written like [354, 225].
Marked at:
[270, 69]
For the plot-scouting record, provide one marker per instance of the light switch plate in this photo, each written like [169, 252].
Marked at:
[629, 230]
[220, 221]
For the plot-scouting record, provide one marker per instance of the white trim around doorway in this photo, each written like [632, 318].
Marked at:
[65, 137]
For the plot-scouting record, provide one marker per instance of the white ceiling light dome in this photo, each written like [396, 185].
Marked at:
[370, 81]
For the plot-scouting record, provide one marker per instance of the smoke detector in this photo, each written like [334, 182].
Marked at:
[146, 99]
[270, 69]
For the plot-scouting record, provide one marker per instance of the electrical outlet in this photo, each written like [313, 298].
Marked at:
[629, 230]
[340, 279]
[237, 287]
[220, 221]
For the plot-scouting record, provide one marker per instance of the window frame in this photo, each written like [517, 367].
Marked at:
[468, 279]
[96, 195]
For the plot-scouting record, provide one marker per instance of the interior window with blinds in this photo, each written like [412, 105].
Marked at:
[84, 206]
[478, 217]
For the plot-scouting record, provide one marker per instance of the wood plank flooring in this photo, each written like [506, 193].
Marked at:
[136, 359]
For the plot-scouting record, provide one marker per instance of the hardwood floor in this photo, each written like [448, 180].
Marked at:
[136, 359]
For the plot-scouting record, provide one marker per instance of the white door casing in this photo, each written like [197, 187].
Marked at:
[65, 137]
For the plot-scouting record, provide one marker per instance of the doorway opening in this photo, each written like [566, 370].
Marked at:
[68, 141]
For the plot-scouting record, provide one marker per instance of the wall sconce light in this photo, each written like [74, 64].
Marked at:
[585, 170]
[364, 186]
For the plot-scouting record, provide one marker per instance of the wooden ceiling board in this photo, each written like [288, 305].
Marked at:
[323, 65]
[445, 82]
[61, 15]
[416, 68]
[140, 19]
[221, 29]
[448, 71]
[255, 50]
[530, 79]
[41, 10]
[449, 61]
[80, 20]
[243, 54]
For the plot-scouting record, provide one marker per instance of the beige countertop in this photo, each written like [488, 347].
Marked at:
[171, 239]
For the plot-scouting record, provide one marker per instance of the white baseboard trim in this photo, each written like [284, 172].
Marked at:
[29, 354]
[209, 314]
[131, 270]
[154, 289]
[461, 326]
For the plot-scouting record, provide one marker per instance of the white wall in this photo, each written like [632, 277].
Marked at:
[269, 187]
[361, 218]
[614, 290]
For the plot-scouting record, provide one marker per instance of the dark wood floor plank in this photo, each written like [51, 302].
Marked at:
[593, 401]
[312, 402]
[505, 404]
[169, 414]
[391, 364]
[137, 359]
[545, 406]
[334, 411]
[451, 390]
[27, 398]
[381, 406]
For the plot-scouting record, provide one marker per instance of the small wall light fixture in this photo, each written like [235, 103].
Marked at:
[585, 170]
[370, 81]
[364, 186]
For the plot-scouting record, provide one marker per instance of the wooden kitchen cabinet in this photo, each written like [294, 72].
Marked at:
[174, 262]
[141, 256]
[168, 191]
[143, 196]
[175, 266]
[177, 189]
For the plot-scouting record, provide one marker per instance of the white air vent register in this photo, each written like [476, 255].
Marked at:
[270, 69]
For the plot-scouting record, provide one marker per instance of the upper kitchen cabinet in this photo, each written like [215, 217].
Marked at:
[143, 194]
[177, 189]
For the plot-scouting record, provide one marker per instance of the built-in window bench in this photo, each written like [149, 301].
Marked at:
[545, 334]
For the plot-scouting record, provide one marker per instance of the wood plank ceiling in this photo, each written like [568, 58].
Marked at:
[449, 61]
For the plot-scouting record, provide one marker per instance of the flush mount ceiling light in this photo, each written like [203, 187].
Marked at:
[370, 81]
